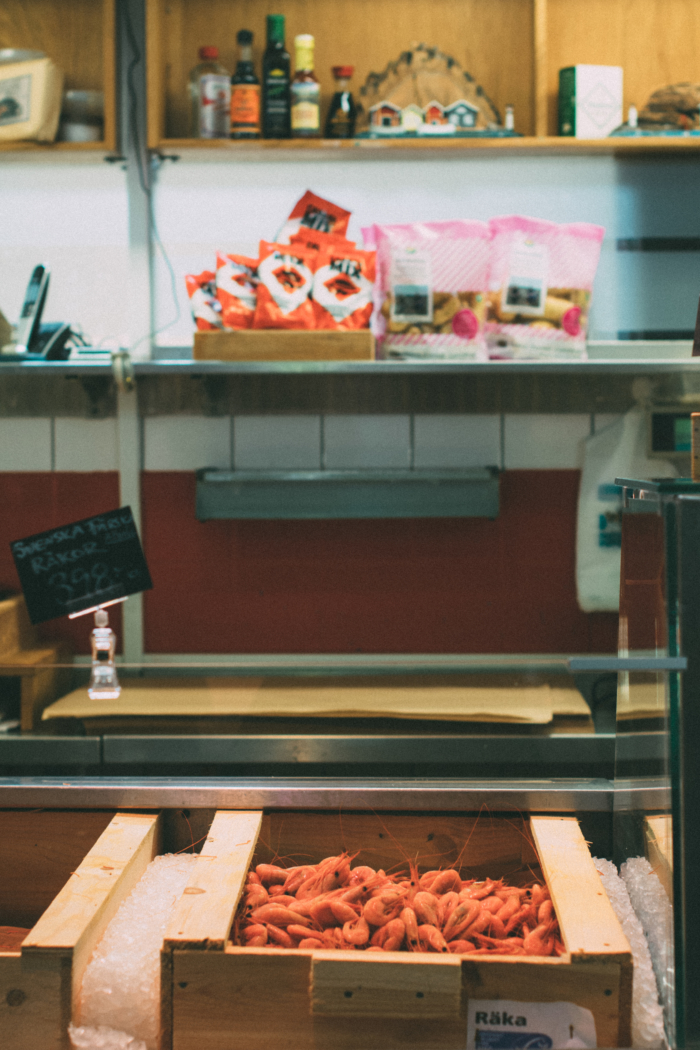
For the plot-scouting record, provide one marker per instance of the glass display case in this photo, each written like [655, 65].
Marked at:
[496, 768]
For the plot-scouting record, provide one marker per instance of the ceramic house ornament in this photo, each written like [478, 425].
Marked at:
[425, 92]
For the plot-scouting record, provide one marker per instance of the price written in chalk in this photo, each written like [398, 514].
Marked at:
[86, 563]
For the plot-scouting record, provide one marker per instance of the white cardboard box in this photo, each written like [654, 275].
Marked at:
[590, 101]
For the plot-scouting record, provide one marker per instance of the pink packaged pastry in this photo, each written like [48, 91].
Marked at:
[539, 288]
[430, 298]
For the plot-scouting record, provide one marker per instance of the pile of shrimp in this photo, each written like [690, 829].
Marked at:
[332, 905]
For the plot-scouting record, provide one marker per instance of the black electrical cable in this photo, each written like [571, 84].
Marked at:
[143, 167]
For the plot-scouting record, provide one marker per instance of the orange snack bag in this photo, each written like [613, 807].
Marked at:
[205, 307]
[318, 241]
[344, 288]
[315, 213]
[286, 276]
[236, 289]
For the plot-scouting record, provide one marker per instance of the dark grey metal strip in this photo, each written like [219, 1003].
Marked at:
[49, 751]
[497, 751]
[627, 663]
[417, 795]
[658, 244]
[347, 494]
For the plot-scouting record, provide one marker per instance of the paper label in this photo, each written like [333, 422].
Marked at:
[15, 98]
[411, 287]
[214, 105]
[525, 289]
[501, 1024]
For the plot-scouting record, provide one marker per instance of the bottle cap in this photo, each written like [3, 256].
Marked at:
[342, 72]
[244, 37]
[304, 40]
[208, 52]
[275, 29]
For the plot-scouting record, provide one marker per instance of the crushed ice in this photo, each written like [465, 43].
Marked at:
[647, 1015]
[650, 902]
[119, 1006]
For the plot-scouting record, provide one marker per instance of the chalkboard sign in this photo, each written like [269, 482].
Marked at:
[77, 566]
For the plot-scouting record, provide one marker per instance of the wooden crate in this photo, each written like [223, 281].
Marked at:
[658, 843]
[79, 35]
[234, 998]
[63, 874]
[280, 345]
[42, 669]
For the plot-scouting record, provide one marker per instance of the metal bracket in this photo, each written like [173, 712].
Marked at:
[123, 370]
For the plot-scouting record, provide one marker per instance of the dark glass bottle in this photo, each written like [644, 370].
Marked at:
[275, 82]
[340, 122]
[245, 92]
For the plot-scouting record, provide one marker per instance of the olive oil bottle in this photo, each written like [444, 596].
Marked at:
[305, 91]
[275, 82]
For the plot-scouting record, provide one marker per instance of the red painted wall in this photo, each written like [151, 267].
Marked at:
[34, 502]
[427, 585]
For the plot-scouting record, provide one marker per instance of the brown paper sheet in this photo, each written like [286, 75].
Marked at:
[469, 698]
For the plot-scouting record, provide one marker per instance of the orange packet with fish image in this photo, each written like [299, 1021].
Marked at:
[312, 212]
[286, 277]
[236, 289]
[344, 288]
[205, 307]
[319, 241]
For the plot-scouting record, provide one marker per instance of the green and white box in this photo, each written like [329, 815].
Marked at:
[590, 101]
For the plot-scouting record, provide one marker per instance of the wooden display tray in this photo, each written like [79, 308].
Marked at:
[63, 874]
[280, 345]
[66, 873]
[228, 996]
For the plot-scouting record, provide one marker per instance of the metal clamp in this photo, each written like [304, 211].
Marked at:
[122, 370]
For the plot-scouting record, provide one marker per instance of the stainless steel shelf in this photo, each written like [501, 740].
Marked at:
[499, 752]
[417, 795]
[177, 366]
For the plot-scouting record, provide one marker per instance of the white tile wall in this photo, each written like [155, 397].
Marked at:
[456, 441]
[277, 442]
[366, 441]
[25, 444]
[187, 442]
[85, 444]
[545, 442]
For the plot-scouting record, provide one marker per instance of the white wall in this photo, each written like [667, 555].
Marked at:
[72, 216]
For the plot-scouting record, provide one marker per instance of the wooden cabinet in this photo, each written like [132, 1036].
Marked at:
[513, 48]
[79, 35]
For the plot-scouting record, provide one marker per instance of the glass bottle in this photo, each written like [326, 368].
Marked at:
[305, 91]
[104, 684]
[245, 92]
[275, 81]
[340, 122]
[210, 97]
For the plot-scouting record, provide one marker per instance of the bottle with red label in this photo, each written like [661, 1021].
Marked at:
[210, 97]
[245, 92]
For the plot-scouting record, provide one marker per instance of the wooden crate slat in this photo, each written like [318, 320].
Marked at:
[205, 911]
[73, 924]
[395, 984]
[593, 932]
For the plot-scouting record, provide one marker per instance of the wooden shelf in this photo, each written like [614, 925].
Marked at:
[79, 35]
[513, 48]
[550, 144]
